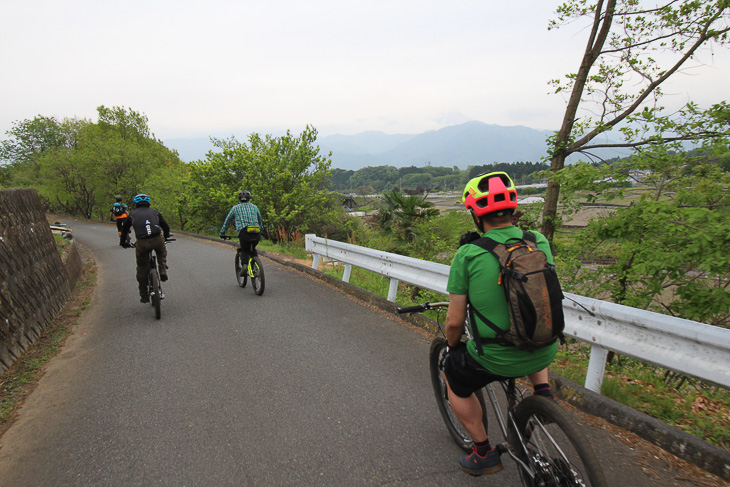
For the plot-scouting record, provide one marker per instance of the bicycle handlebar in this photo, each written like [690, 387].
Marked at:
[422, 307]
[134, 244]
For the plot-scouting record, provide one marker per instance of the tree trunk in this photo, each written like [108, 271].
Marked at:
[550, 210]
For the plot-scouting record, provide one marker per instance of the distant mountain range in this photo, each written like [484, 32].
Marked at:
[470, 143]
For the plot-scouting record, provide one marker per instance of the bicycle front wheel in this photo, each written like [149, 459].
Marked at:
[156, 297]
[257, 276]
[241, 272]
[456, 430]
[554, 449]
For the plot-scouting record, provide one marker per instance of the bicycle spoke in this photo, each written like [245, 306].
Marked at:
[558, 454]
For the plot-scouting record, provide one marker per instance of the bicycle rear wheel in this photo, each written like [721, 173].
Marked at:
[241, 277]
[257, 279]
[456, 430]
[155, 296]
[554, 448]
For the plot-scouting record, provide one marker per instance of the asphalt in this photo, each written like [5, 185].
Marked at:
[301, 386]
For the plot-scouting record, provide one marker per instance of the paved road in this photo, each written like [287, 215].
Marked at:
[301, 386]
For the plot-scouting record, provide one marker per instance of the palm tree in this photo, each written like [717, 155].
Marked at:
[399, 213]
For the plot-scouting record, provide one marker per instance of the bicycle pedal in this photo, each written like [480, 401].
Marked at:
[502, 448]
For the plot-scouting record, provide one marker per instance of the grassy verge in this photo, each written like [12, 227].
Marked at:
[18, 381]
[698, 408]
[295, 249]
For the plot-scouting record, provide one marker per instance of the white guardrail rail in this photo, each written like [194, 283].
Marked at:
[683, 346]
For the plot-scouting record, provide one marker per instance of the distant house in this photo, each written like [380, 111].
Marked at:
[349, 203]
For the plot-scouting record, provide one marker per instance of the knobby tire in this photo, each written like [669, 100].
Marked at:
[257, 281]
[240, 265]
[155, 297]
[456, 430]
[543, 424]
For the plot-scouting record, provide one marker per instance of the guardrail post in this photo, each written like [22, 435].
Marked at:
[596, 368]
[393, 290]
[315, 261]
[346, 275]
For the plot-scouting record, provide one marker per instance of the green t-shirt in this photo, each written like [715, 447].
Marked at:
[475, 272]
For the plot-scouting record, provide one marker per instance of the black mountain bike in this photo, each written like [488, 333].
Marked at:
[253, 269]
[154, 288]
[540, 436]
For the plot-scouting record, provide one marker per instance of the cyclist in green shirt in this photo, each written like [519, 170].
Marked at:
[247, 219]
[474, 278]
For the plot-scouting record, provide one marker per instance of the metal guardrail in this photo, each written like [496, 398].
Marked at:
[683, 346]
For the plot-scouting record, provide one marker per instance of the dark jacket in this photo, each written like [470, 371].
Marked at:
[147, 222]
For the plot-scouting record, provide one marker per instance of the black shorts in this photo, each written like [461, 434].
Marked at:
[465, 375]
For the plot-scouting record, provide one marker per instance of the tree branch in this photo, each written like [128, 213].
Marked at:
[660, 140]
[649, 90]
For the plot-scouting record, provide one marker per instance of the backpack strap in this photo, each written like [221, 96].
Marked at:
[490, 245]
[475, 331]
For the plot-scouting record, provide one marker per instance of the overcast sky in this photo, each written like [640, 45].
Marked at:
[223, 67]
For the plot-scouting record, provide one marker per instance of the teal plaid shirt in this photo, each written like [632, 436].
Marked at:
[245, 214]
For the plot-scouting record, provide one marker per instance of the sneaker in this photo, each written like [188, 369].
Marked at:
[163, 276]
[144, 299]
[475, 465]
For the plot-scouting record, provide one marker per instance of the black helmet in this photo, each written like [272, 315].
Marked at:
[118, 197]
[244, 195]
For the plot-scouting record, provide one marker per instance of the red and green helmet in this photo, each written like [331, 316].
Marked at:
[490, 192]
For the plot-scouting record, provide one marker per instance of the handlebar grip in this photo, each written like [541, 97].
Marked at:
[411, 309]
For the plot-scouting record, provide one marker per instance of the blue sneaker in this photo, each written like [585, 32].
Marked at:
[475, 465]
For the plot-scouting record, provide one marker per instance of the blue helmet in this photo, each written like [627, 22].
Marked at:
[141, 198]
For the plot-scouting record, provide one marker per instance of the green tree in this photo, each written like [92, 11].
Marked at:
[117, 155]
[400, 213]
[286, 176]
[619, 73]
[26, 141]
[667, 248]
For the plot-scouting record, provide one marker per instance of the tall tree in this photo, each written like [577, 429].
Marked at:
[117, 155]
[286, 176]
[666, 248]
[619, 72]
[26, 141]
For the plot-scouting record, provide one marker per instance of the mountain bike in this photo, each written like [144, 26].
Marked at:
[545, 443]
[154, 288]
[253, 269]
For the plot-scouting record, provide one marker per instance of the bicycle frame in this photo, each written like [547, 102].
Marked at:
[510, 391]
[531, 465]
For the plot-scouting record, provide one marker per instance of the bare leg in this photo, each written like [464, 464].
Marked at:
[469, 413]
[540, 377]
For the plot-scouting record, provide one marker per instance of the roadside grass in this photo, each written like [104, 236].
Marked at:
[20, 379]
[295, 249]
[61, 243]
[696, 407]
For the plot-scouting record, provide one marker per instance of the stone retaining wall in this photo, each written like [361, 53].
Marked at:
[34, 282]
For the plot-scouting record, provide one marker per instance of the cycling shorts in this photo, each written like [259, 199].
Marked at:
[464, 374]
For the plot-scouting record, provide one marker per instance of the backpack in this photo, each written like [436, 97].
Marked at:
[533, 294]
[118, 209]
